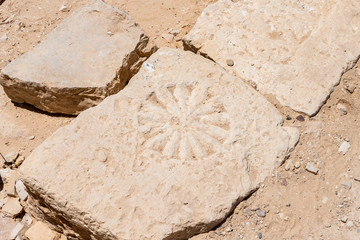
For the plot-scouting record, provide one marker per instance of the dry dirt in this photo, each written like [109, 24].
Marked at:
[299, 204]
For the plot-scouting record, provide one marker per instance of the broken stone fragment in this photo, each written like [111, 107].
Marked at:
[9, 178]
[344, 147]
[20, 190]
[296, 50]
[166, 158]
[12, 208]
[310, 167]
[14, 233]
[11, 157]
[78, 64]
[41, 231]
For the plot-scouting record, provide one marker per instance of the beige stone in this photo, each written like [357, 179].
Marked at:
[294, 50]
[9, 178]
[40, 231]
[12, 208]
[168, 157]
[89, 56]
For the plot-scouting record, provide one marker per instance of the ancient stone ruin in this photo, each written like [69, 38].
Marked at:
[167, 142]
[89, 56]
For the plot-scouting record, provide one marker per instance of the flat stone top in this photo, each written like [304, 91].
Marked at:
[294, 50]
[167, 157]
[85, 50]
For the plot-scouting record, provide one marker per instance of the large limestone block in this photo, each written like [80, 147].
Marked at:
[89, 56]
[294, 50]
[166, 158]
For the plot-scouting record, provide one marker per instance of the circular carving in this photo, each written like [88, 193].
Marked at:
[183, 122]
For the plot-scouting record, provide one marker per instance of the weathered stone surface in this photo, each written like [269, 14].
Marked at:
[296, 50]
[89, 56]
[40, 231]
[166, 158]
[12, 208]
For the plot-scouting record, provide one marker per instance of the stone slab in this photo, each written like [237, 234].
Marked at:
[89, 56]
[168, 157]
[296, 50]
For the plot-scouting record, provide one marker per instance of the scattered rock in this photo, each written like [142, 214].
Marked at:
[283, 181]
[248, 212]
[26, 220]
[14, 233]
[344, 219]
[310, 167]
[167, 37]
[344, 147]
[261, 213]
[63, 8]
[346, 184]
[289, 166]
[300, 118]
[90, 65]
[41, 231]
[342, 108]
[9, 177]
[11, 157]
[175, 32]
[297, 165]
[230, 62]
[12, 208]
[20, 189]
[3, 37]
[272, 55]
[19, 161]
[153, 125]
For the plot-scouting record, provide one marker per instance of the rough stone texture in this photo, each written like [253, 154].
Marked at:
[89, 56]
[40, 231]
[12, 208]
[166, 158]
[296, 50]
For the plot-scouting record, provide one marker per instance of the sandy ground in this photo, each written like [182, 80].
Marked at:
[299, 204]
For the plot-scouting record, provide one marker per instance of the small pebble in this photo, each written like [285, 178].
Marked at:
[230, 62]
[32, 137]
[344, 219]
[300, 118]
[344, 147]
[328, 225]
[289, 166]
[248, 212]
[63, 8]
[310, 167]
[288, 117]
[297, 165]
[342, 108]
[260, 235]
[261, 213]
[3, 38]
